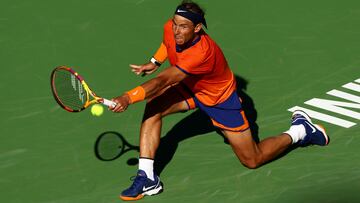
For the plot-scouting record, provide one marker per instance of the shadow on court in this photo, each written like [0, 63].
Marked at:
[198, 123]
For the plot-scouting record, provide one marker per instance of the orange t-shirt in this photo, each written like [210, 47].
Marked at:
[210, 77]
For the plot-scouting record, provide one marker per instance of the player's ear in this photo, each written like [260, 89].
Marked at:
[198, 27]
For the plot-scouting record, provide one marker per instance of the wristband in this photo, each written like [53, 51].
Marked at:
[154, 61]
[137, 94]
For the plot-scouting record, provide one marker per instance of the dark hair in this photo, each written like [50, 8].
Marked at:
[193, 7]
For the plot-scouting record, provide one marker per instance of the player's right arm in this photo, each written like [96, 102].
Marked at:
[167, 77]
[155, 62]
[149, 89]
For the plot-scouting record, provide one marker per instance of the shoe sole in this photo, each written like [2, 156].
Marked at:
[318, 127]
[322, 129]
[125, 198]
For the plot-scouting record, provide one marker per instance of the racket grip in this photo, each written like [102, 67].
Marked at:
[108, 103]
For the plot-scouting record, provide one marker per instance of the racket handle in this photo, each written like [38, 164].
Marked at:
[108, 103]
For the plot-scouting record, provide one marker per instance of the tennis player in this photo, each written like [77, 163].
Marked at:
[200, 77]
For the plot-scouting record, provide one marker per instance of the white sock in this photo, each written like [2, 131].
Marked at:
[147, 165]
[296, 132]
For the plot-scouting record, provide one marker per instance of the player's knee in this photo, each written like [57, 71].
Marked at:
[250, 163]
[152, 111]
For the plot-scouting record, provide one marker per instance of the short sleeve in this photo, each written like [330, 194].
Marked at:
[161, 53]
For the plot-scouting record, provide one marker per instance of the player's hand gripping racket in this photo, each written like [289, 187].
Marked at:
[71, 91]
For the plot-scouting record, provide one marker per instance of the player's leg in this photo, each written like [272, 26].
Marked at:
[171, 101]
[146, 182]
[252, 154]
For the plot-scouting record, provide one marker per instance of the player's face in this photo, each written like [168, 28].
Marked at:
[184, 30]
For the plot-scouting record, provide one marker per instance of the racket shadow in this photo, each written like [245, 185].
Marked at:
[111, 145]
[198, 123]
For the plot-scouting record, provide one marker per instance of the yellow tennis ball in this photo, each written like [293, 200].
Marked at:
[97, 110]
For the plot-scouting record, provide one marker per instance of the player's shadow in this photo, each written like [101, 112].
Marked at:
[198, 123]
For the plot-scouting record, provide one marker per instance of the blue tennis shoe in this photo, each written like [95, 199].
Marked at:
[315, 134]
[142, 186]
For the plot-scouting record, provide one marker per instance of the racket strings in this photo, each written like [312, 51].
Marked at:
[69, 90]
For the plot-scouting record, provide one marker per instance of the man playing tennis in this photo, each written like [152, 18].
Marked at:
[199, 77]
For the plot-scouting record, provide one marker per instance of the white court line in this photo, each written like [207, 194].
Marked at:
[324, 117]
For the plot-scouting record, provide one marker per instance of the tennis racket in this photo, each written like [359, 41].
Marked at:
[111, 145]
[71, 91]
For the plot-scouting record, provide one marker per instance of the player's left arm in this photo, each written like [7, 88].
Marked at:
[146, 69]
[149, 89]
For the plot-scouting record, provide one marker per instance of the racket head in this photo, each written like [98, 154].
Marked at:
[109, 146]
[69, 89]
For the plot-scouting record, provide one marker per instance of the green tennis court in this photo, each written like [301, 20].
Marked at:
[289, 53]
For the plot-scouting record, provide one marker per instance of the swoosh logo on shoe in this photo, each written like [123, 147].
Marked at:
[148, 188]
[312, 127]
